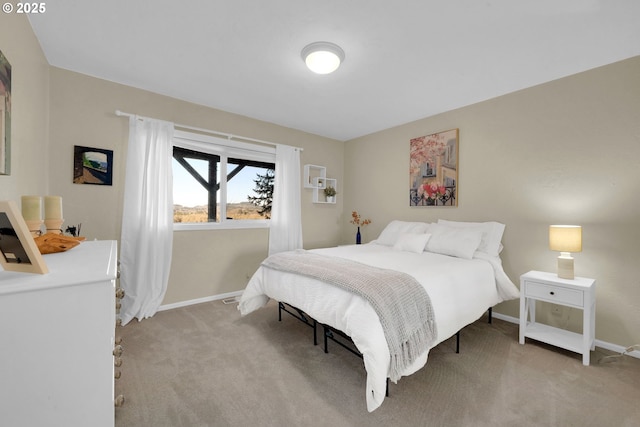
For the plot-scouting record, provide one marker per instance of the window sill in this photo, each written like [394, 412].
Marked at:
[226, 225]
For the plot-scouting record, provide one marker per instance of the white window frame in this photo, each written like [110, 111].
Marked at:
[224, 148]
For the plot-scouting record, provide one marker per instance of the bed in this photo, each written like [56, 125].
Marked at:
[457, 263]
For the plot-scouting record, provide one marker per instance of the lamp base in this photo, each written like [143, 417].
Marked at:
[565, 266]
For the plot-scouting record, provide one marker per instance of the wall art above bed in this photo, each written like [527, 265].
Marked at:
[433, 169]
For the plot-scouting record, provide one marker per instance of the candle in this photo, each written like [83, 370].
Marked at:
[32, 208]
[52, 207]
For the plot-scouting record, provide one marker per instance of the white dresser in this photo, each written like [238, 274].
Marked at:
[57, 340]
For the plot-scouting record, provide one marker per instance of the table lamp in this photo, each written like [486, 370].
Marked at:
[565, 239]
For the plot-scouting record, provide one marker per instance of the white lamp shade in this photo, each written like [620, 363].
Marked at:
[565, 238]
[322, 57]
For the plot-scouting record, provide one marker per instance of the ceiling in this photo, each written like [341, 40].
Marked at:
[405, 59]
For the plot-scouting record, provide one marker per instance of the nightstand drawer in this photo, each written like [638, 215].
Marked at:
[554, 294]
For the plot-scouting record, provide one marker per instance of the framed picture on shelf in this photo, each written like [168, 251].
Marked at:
[18, 250]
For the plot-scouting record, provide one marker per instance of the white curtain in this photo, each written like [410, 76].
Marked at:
[147, 219]
[285, 229]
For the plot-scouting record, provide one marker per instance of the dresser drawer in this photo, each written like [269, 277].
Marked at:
[554, 294]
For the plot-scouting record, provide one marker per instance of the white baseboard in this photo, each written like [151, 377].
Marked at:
[199, 300]
[599, 343]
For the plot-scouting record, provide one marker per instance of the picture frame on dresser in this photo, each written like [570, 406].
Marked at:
[18, 250]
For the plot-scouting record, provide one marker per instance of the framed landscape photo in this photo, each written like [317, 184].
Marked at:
[92, 165]
[18, 250]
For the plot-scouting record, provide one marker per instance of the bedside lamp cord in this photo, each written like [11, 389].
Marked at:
[617, 356]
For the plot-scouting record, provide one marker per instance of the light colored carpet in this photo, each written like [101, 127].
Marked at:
[204, 365]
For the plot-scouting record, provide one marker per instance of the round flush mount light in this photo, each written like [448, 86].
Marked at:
[322, 57]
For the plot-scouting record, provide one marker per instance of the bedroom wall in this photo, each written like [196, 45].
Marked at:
[205, 263]
[29, 109]
[563, 152]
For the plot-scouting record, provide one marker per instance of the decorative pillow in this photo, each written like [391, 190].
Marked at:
[411, 242]
[457, 242]
[491, 234]
[390, 234]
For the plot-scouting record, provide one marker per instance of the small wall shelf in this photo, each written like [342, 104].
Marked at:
[315, 177]
[318, 189]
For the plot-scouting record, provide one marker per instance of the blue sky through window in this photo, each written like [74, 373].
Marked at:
[188, 192]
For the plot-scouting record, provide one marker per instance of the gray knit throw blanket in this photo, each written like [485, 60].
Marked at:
[402, 304]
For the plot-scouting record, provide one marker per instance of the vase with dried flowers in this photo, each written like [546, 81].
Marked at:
[357, 220]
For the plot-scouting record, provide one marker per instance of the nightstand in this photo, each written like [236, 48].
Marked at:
[578, 293]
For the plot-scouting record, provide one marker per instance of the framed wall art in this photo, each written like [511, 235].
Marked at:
[5, 116]
[92, 166]
[433, 169]
[18, 250]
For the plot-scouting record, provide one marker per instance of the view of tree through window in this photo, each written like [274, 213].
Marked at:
[204, 184]
[264, 190]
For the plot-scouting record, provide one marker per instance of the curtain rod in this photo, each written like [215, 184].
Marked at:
[212, 132]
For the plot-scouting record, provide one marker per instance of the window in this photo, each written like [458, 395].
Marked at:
[219, 183]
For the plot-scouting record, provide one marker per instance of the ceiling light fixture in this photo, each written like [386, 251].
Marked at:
[322, 57]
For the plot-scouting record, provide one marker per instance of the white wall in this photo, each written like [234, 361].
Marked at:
[563, 152]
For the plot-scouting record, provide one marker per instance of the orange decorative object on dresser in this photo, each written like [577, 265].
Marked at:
[50, 243]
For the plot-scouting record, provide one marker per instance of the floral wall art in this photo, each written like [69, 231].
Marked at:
[433, 170]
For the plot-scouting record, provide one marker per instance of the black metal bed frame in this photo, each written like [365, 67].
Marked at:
[330, 332]
[301, 316]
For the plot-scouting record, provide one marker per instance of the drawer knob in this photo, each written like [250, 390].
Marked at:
[117, 351]
[552, 293]
[119, 401]
[118, 340]
[117, 362]
[117, 375]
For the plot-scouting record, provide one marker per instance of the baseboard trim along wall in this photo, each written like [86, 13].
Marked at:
[199, 300]
[603, 344]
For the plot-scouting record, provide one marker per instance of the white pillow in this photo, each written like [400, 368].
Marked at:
[457, 242]
[390, 234]
[411, 242]
[491, 234]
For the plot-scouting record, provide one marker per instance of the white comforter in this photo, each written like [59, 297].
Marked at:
[460, 291]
